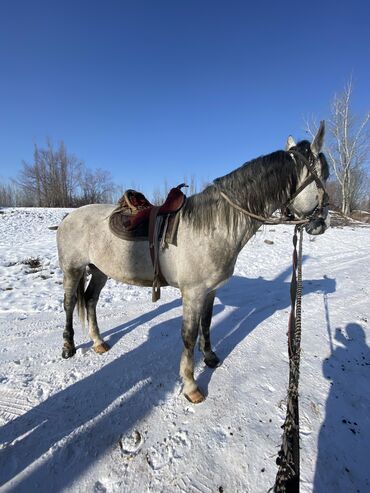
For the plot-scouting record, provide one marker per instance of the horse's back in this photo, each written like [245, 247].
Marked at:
[74, 233]
[84, 238]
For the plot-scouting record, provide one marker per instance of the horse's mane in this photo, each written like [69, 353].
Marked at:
[256, 185]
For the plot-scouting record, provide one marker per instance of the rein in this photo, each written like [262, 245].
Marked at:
[263, 219]
[287, 477]
[312, 177]
[288, 460]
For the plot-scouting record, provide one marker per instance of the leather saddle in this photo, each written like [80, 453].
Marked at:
[136, 219]
[130, 219]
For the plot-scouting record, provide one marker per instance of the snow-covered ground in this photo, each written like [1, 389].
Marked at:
[118, 422]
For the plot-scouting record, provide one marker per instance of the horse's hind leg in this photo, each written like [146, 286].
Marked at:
[210, 358]
[70, 282]
[192, 310]
[91, 297]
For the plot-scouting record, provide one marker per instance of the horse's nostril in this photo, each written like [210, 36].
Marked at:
[316, 227]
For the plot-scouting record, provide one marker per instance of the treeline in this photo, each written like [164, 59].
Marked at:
[56, 178]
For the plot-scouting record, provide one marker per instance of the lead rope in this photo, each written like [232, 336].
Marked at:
[287, 477]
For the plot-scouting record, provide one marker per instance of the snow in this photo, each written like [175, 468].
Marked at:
[118, 422]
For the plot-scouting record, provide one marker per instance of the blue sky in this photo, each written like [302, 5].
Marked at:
[165, 89]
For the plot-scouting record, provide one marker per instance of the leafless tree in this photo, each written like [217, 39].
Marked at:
[118, 192]
[6, 195]
[159, 194]
[335, 194]
[192, 185]
[52, 179]
[96, 187]
[56, 178]
[11, 195]
[347, 148]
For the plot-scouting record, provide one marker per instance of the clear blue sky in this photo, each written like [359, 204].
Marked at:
[167, 88]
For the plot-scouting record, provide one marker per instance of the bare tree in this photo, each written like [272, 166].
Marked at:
[335, 194]
[192, 185]
[52, 179]
[348, 148]
[11, 195]
[6, 195]
[158, 195]
[96, 187]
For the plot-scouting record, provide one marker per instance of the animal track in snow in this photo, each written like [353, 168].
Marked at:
[99, 487]
[16, 403]
[13, 404]
[198, 484]
[131, 445]
[174, 447]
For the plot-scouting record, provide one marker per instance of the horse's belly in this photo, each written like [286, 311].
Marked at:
[124, 261]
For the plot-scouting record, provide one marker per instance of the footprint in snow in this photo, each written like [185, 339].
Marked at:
[99, 488]
[132, 444]
[174, 447]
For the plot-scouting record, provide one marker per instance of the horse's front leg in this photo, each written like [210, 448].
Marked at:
[210, 358]
[192, 310]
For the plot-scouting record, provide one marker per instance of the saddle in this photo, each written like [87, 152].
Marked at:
[136, 219]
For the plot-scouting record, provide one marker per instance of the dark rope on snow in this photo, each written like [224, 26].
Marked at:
[287, 478]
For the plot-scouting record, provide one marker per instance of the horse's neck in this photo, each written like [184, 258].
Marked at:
[274, 198]
[258, 190]
[266, 197]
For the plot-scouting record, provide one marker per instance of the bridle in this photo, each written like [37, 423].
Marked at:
[323, 198]
[288, 217]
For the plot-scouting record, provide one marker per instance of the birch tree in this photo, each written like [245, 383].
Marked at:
[347, 148]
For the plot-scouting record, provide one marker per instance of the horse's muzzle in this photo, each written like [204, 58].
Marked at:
[318, 225]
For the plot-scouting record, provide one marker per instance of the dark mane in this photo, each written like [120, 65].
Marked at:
[325, 166]
[260, 186]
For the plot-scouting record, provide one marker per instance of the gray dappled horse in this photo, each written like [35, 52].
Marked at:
[211, 233]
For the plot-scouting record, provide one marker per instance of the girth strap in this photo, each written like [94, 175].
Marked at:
[155, 223]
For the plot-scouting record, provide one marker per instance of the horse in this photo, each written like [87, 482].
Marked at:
[213, 227]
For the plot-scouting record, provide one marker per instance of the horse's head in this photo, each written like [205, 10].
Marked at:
[310, 200]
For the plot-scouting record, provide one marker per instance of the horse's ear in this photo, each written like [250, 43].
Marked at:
[318, 141]
[290, 143]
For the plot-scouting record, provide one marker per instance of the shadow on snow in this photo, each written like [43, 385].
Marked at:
[343, 461]
[107, 404]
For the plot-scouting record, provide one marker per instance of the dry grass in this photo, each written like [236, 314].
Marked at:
[33, 262]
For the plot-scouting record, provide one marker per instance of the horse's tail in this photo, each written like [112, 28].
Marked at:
[54, 228]
[81, 306]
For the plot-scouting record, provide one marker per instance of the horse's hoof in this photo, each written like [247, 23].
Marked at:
[102, 348]
[212, 361]
[68, 352]
[195, 397]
